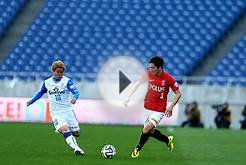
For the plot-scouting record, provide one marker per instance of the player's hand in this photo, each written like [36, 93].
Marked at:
[73, 101]
[28, 103]
[125, 102]
[169, 111]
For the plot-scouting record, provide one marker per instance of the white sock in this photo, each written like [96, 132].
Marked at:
[71, 141]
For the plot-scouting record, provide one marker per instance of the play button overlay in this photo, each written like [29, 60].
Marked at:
[123, 81]
[117, 76]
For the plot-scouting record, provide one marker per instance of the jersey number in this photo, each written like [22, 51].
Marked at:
[58, 97]
[161, 96]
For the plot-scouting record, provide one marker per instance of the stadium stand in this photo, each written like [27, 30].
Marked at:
[233, 64]
[8, 10]
[86, 33]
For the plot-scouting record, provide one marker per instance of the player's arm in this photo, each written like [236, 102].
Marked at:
[132, 90]
[73, 90]
[40, 93]
[143, 78]
[169, 109]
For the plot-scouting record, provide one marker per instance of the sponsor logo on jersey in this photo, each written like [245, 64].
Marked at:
[156, 88]
[56, 91]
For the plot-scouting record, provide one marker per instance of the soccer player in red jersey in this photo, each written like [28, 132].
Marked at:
[155, 102]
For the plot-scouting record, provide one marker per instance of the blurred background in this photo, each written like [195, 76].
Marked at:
[203, 43]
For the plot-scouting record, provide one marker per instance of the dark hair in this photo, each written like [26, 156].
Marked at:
[157, 61]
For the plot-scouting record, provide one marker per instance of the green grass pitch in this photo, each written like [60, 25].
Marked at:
[37, 144]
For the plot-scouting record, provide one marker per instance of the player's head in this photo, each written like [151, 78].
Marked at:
[156, 64]
[58, 68]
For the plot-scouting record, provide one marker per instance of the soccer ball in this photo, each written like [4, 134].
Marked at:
[108, 151]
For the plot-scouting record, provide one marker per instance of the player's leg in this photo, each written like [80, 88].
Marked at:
[156, 133]
[62, 127]
[163, 138]
[155, 119]
[147, 129]
[74, 127]
[76, 133]
[70, 139]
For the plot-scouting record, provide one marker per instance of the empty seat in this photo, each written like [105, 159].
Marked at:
[234, 62]
[184, 30]
[8, 11]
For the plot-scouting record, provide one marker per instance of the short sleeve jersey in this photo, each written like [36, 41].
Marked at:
[158, 88]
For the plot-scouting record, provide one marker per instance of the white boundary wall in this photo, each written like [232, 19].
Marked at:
[205, 95]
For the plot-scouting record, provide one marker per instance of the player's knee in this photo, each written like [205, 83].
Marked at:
[76, 133]
[63, 129]
[147, 130]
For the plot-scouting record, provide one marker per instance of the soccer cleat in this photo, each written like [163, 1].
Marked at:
[78, 151]
[170, 143]
[135, 153]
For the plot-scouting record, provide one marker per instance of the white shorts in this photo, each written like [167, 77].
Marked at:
[153, 117]
[66, 118]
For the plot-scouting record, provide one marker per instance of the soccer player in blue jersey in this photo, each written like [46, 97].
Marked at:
[58, 88]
